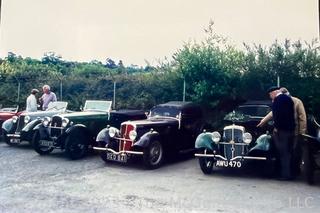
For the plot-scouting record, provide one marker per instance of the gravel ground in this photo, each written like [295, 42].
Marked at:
[33, 183]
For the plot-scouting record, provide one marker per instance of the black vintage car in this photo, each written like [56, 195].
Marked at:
[238, 141]
[75, 132]
[170, 127]
[20, 128]
[311, 151]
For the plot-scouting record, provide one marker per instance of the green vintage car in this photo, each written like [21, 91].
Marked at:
[75, 132]
[239, 141]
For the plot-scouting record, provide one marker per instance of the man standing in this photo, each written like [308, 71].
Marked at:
[31, 103]
[301, 128]
[47, 97]
[284, 126]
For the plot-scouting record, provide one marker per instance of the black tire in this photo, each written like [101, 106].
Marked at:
[153, 155]
[206, 165]
[76, 145]
[269, 168]
[7, 139]
[103, 154]
[308, 165]
[42, 150]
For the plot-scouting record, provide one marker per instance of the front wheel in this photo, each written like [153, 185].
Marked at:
[7, 139]
[206, 164]
[42, 150]
[153, 155]
[76, 145]
[103, 154]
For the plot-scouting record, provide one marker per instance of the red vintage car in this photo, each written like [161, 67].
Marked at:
[7, 113]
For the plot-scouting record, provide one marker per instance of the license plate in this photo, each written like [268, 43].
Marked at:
[46, 143]
[14, 140]
[115, 157]
[231, 164]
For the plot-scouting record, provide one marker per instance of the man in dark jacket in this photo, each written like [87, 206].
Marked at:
[284, 126]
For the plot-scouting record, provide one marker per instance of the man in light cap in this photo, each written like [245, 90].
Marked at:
[31, 103]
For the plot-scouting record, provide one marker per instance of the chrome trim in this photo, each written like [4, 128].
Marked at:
[210, 156]
[228, 143]
[249, 157]
[232, 159]
[55, 127]
[13, 135]
[117, 153]
[122, 139]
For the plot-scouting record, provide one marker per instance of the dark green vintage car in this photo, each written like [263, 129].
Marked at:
[75, 132]
[239, 141]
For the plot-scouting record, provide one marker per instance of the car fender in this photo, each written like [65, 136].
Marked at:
[8, 125]
[204, 140]
[263, 143]
[145, 139]
[76, 127]
[31, 125]
[103, 135]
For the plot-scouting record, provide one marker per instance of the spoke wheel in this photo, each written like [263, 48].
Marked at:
[206, 164]
[153, 155]
[76, 145]
[42, 150]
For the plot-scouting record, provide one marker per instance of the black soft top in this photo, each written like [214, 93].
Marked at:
[128, 112]
[259, 102]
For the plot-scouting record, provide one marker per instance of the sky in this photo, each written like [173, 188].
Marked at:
[140, 31]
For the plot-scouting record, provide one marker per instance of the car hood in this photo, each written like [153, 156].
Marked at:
[40, 114]
[82, 114]
[6, 115]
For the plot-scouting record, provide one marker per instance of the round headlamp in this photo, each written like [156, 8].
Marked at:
[65, 122]
[112, 132]
[132, 135]
[216, 137]
[14, 119]
[27, 119]
[247, 137]
[46, 121]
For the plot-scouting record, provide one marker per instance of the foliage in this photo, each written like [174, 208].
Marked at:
[217, 75]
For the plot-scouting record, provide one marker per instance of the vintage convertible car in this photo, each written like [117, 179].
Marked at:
[170, 127]
[7, 113]
[75, 132]
[311, 151]
[21, 128]
[240, 140]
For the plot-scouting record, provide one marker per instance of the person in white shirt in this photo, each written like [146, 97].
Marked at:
[31, 104]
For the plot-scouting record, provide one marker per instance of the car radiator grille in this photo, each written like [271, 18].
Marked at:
[124, 131]
[232, 149]
[55, 127]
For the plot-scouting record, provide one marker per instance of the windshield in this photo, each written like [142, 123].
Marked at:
[57, 106]
[164, 111]
[8, 109]
[104, 106]
[254, 110]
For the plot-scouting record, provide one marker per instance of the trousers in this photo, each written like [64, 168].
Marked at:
[283, 141]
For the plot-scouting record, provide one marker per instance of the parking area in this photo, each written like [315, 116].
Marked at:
[33, 183]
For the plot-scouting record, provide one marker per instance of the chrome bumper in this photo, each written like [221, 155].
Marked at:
[117, 153]
[232, 159]
[13, 135]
